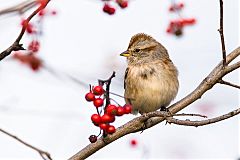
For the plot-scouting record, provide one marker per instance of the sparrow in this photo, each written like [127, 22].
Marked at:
[151, 78]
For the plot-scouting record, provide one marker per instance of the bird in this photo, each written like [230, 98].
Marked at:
[151, 78]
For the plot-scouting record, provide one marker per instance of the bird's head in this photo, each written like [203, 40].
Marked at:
[144, 49]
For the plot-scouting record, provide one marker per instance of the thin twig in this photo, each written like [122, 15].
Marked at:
[233, 67]
[228, 83]
[220, 30]
[19, 8]
[187, 114]
[203, 122]
[16, 46]
[166, 114]
[45, 155]
[107, 82]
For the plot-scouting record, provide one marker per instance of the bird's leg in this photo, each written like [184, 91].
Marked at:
[165, 109]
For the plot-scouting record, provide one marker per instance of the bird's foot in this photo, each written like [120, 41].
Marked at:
[165, 109]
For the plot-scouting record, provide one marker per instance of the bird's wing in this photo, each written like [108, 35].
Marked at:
[125, 77]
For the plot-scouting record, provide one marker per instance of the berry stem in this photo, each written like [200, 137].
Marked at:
[107, 82]
[90, 88]
[97, 111]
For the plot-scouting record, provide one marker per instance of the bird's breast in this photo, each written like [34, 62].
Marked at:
[150, 87]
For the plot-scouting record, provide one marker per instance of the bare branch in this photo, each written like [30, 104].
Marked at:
[220, 30]
[203, 122]
[228, 83]
[16, 46]
[233, 66]
[187, 114]
[45, 155]
[19, 8]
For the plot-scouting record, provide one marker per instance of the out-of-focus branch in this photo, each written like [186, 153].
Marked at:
[19, 8]
[45, 155]
[220, 30]
[16, 46]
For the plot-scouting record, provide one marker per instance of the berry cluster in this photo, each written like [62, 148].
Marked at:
[176, 26]
[34, 30]
[104, 121]
[109, 9]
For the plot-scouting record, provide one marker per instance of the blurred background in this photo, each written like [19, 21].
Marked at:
[47, 107]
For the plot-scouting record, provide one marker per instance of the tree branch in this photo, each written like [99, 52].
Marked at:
[149, 120]
[233, 66]
[16, 46]
[220, 30]
[19, 8]
[228, 83]
[45, 155]
[203, 122]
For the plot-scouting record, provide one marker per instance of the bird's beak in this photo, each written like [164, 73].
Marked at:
[125, 54]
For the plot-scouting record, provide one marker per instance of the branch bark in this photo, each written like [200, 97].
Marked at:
[149, 120]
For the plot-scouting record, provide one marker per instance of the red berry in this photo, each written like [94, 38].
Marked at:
[112, 119]
[171, 8]
[103, 126]
[123, 4]
[96, 119]
[98, 90]
[127, 108]
[111, 129]
[43, 3]
[98, 102]
[41, 13]
[111, 11]
[90, 97]
[34, 62]
[111, 109]
[34, 46]
[133, 142]
[169, 30]
[92, 138]
[24, 22]
[30, 29]
[120, 111]
[54, 12]
[108, 9]
[180, 5]
[106, 118]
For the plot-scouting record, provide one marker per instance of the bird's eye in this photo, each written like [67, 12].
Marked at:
[137, 50]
